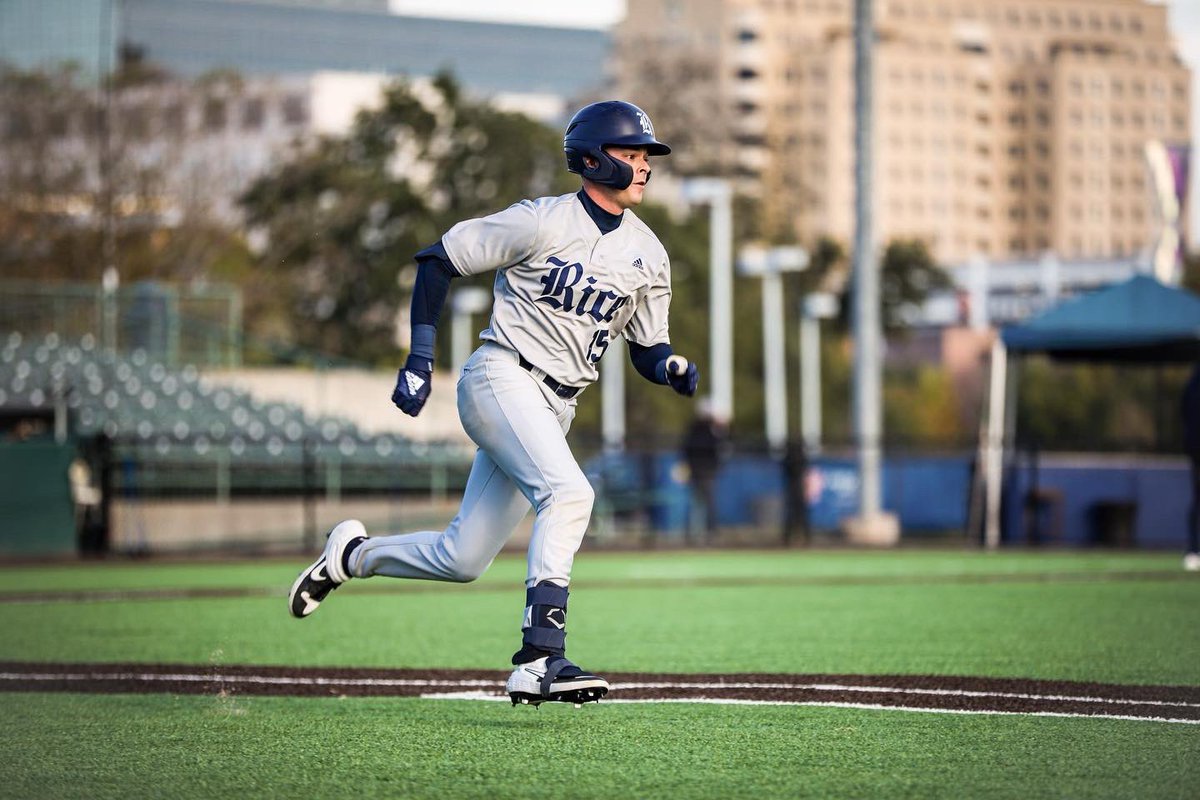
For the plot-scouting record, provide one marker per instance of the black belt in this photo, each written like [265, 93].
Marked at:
[560, 389]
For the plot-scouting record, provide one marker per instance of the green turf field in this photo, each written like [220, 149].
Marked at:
[1120, 618]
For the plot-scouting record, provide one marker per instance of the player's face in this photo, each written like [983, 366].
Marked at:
[617, 200]
[639, 161]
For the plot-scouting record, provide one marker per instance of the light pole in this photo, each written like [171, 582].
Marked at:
[463, 303]
[816, 307]
[770, 264]
[718, 195]
[872, 526]
[612, 396]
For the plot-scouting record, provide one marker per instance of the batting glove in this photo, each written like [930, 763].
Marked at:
[682, 375]
[413, 385]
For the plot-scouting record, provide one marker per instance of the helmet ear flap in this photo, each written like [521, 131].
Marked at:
[608, 171]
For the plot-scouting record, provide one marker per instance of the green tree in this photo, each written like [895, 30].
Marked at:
[1096, 407]
[343, 218]
[63, 178]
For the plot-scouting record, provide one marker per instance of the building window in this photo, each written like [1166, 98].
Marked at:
[137, 122]
[58, 124]
[253, 114]
[173, 119]
[214, 114]
[295, 110]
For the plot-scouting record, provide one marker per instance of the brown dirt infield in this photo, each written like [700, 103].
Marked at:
[915, 692]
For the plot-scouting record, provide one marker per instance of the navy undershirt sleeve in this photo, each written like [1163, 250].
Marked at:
[646, 360]
[434, 273]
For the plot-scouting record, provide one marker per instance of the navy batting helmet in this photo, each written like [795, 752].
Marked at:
[613, 123]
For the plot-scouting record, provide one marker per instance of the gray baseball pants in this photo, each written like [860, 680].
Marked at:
[523, 462]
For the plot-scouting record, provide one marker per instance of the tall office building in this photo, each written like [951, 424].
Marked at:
[1003, 128]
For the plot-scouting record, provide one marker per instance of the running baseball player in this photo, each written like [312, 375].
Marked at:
[572, 273]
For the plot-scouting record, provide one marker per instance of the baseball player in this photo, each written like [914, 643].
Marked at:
[572, 273]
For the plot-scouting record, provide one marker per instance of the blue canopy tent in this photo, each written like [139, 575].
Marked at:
[1138, 321]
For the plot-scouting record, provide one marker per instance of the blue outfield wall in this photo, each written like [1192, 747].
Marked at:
[928, 493]
[1156, 490]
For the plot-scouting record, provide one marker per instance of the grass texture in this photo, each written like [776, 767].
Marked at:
[206, 747]
[1031, 616]
[1128, 618]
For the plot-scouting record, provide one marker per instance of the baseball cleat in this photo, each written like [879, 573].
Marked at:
[554, 679]
[326, 573]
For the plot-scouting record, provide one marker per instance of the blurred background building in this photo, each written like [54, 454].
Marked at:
[207, 223]
[535, 69]
[1003, 129]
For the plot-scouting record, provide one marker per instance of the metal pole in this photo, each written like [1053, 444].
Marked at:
[867, 373]
[107, 67]
[810, 383]
[612, 397]
[774, 361]
[463, 303]
[235, 329]
[718, 195]
[460, 340]
[721, 302]
[995, 443]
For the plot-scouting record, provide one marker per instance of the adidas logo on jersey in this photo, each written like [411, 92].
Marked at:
[415, 382]
[637, 262]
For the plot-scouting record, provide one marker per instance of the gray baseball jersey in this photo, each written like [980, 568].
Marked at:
[563, 289]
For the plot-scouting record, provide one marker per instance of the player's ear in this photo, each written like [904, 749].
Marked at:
[591, 162]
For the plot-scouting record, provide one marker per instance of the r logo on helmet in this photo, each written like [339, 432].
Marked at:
[647, 128]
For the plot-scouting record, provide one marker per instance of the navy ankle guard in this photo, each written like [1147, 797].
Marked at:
[545, 625]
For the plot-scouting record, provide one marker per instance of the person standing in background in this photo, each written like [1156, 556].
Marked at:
[1190, 413]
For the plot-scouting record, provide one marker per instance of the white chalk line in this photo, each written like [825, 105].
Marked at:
[283, 680]
[161, 677]
[837, 687]
[476, 695]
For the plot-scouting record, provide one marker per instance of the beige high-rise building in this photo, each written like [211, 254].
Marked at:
[1003, 128]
